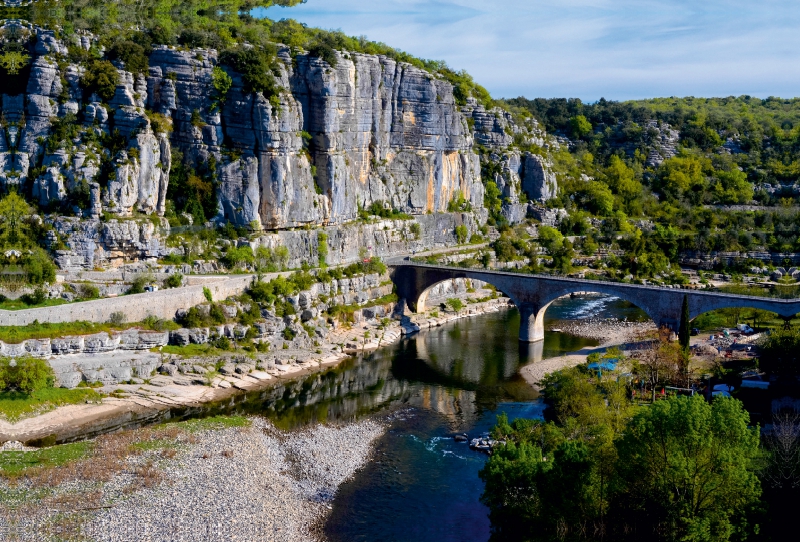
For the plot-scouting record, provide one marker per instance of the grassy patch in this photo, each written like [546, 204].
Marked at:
[214, 422]
[18, 304]
[155, 444]
[17, 334]
[192, 350]
[15, 463]
[15, 405]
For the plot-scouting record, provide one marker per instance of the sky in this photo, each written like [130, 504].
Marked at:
[588, 49]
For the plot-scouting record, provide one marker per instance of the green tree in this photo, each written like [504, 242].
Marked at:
[101, 77]
[689, 467]
[683, 176]
[25, 374]
[322, 249]
[461, 234]
[580, 126]
[780, 353]
[174, 281]
[622, 180]
[222, 83]
[14, 228]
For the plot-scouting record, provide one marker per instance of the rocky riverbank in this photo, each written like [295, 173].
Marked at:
[247, 483]
[188, 381]
[609, 331]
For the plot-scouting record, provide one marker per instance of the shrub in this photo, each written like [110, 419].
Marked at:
[217, 314]
[132, 54]
[101, 77]
[222, 84]
[455, 304]
[255, 65]
[88, 291]
[138, 284]
[193, 319]
[174, 281]
[26, 374]
[461, 234]
[237, 257]
[117, 318]
[207, 294]
[322, 249]
[36, 298]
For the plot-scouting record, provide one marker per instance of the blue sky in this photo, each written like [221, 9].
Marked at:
[617, 49]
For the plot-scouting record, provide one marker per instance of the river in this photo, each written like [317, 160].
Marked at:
[423, 485]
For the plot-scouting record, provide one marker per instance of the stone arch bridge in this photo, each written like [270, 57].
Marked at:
[533, 294]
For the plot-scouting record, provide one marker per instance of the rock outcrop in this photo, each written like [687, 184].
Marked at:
[333, 141]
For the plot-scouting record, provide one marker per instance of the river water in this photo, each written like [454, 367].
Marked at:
[423, 485]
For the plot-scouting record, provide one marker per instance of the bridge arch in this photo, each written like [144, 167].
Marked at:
[533, 294]
[538, 319]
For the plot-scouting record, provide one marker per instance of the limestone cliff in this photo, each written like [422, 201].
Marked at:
[336, 140]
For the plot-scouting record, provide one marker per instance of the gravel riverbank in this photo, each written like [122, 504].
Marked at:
[609, 331]
[252, 483]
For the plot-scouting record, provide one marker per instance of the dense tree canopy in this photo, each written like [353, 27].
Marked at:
[680, 469]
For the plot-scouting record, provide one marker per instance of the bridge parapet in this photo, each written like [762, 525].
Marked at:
[533, 294]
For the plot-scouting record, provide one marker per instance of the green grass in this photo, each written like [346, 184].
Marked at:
[156, 444]
[14, 463]
[15, 406]
[191, 350]
[18, 304]
[214, 422]
[46, 330]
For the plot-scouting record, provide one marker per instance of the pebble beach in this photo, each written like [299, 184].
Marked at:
[252, 483]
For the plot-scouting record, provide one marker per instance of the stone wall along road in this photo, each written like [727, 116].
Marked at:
[137, 307]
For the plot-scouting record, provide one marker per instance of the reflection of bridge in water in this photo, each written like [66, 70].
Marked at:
[533, 294]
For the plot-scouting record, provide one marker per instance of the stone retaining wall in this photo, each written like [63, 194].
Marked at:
[161, 304]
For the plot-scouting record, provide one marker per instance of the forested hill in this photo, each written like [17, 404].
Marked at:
[761, 137]
[722, 173]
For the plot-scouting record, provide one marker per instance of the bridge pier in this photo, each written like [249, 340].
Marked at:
[531, 328]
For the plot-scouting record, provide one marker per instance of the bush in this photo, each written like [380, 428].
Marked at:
[117, 318]
[461, 234]
[780, 353]
[455, 304]
[238, 257]
[88, 291]
[216, 314]
[25, 374]
[207, 294]
[132, 54]
[174, 281]
[36, 298]
[101, 77]
[255, 65]
[138, 284]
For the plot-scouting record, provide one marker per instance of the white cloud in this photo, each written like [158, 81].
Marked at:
[588, 48]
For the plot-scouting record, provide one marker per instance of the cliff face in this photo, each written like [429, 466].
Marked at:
[369, 130]
[380, 132]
